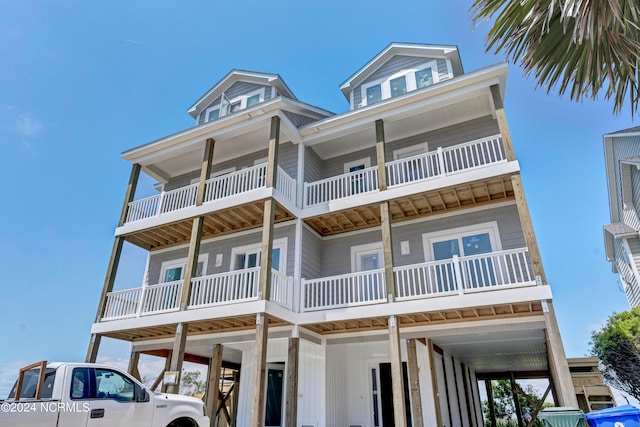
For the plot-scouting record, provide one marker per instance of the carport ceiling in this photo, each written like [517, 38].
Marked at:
[523, 350]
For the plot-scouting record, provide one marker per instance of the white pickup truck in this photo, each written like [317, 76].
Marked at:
[91, 395]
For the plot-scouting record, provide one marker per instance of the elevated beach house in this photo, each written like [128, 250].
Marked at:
[368, 268]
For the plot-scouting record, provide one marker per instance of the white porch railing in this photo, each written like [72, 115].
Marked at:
[224, 288]
[365, 287]
[281, 289]
[234, 183]
[155, 299]
[122, 304]
[464, 274]
[286, 185]
[446, 161]
[143, 208]
[179, 198]
[338, 187]
[161, 298]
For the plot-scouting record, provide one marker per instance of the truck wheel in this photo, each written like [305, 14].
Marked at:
[182, 422]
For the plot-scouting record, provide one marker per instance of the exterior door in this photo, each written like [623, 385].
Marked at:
[114, 403]
[366, 260]
[386, 418]
[275, 391]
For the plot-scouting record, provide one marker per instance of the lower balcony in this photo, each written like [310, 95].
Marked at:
[206, 291]
[458, 275]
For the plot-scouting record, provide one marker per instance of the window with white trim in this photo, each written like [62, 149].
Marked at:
[367, 257]
[400, 83]
[171, 271]
[230, 106]
[249, 256]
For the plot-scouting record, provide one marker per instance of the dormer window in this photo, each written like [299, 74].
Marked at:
[400, 83]
[229, 106]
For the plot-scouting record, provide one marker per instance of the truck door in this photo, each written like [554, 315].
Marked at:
[73, 407]
[115, 402]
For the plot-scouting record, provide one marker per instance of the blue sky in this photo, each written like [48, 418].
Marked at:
[80, 82]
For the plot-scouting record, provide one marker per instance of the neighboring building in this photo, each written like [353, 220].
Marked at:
[354, 269]
[622, 161]
[592, 393]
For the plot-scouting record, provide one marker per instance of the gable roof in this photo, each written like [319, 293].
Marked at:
[234, 76]
[635, 129]
[410, 49]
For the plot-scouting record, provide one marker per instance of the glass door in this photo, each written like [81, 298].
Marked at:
[275, 392]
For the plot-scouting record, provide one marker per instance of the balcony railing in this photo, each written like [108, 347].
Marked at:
[365, 287]
[206, 291]
[461, 275]
[341, 186]
[281, 289]
[216, 188]
[155, 299]
[224, 288]
[434, 164]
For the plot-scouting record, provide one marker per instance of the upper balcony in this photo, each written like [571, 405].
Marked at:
[467, 286]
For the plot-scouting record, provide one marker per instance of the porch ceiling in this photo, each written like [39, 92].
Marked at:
[523, 350]
[221, 325]
[231, 220]
[500, 311]
[420, 205]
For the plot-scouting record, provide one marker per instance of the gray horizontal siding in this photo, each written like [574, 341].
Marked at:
[337, 251]
[312, 165]
[288, 158]
[448, 136]
[335, 166]
[624, 147]
[224, 247]
[396, 64]
[311, 267]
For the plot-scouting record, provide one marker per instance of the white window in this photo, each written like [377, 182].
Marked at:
[249, 256]
[404, 81]
[463, 241]
[229, 106]
[171, 271]
[367, 257]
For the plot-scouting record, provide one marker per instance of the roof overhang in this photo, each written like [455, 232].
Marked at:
[408, 49]
[235, 76]
[462, 98]
[169, 156]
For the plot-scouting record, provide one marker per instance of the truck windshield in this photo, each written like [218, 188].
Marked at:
[30, 383]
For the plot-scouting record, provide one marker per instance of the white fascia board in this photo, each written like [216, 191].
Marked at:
[239, 122]
[413, 188]
[439, 94]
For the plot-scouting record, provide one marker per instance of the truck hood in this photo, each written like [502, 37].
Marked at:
[178, 398]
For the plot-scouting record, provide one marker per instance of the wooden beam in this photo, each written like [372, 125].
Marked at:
[501, 118]
[516, 401]
[492, 410]
[380, 155]
[259, 371]
[527, 228]
[213, 383]
[272, 159]
[205, 170]
[264, 279]
[434, 381]
[191, 266]
[414, 383]
[397, 377]
[560, 374]
[387, 249]
[134, 359]
[130, 193]
[291, 404]
[177, 355]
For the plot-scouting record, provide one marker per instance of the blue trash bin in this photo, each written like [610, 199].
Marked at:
[621, 416]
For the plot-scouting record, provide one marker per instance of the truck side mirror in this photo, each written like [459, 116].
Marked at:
[142, 395]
